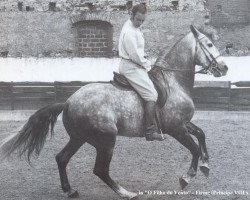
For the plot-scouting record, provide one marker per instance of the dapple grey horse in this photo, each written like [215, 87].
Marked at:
[97, 113]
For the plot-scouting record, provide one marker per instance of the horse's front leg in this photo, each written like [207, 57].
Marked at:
[182, 135]
[200, 135]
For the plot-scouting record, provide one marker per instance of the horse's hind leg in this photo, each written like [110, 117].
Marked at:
[181, 134]
[62, 160]
[199, 134]
[104, 155]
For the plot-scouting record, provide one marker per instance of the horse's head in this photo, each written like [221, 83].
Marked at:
[207, 55]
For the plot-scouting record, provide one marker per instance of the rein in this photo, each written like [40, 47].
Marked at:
[171, 69]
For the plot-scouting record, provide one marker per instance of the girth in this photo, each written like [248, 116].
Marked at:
[156, 76]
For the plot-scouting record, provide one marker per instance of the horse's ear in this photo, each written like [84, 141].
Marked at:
[194, 31]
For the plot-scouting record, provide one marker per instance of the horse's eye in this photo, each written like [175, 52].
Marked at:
[209, 44]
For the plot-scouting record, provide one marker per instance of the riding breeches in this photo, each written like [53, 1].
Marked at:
[139, 79]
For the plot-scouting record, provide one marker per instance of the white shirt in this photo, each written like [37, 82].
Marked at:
[131, 45]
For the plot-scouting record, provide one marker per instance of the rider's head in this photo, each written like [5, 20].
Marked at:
[138, 15]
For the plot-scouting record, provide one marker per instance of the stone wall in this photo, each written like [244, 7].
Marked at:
[229, 12]
[45, 28]
[232, 21]
[238, 37]
[108, 5]
[36, 34]
[50, 34]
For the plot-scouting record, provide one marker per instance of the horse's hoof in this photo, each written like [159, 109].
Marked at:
[134, 198]
[73, 194]
[183, 182]
[205, 169]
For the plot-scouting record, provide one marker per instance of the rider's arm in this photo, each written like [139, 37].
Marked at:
[135, 54]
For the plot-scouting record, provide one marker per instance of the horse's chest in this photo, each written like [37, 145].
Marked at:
[180, 100]
[179, 108]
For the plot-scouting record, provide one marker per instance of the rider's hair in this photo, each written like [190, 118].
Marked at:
[141, 8]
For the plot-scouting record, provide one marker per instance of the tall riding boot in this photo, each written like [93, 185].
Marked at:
[151, 126]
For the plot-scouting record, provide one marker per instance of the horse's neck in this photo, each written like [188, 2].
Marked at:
[181, 57]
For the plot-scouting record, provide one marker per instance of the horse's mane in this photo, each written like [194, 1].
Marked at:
[162, 58]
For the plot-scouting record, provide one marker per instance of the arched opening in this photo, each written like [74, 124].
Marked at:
[94, 38]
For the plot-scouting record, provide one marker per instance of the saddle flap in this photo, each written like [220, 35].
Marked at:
[160, 85]
[120, 79]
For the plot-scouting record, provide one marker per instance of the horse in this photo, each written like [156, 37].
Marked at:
[99, 112]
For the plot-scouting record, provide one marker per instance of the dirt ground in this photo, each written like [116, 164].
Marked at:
[138, 166]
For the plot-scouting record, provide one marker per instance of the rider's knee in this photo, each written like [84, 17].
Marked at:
[150, 95]
[151, 98]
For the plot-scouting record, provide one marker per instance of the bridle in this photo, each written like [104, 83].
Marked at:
[212, 60]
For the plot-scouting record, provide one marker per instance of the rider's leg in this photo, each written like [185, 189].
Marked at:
[140, 81]
[151, 125]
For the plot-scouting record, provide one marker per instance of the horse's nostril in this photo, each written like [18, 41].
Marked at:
[225, 66]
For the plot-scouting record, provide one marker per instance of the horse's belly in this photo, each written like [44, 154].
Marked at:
[131, 122]
[130, 115]
[105, 108]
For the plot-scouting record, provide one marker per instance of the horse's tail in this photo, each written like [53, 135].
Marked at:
[32, 136]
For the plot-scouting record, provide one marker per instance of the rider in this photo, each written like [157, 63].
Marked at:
[134, 66]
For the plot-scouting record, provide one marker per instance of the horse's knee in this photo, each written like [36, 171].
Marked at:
[198, 132]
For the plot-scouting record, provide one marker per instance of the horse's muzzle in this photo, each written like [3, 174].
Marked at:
[223, 68]
[220, 70]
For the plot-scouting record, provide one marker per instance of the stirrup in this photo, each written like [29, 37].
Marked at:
[154, 137]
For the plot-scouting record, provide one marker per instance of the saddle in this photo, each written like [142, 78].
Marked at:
[156, 77]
